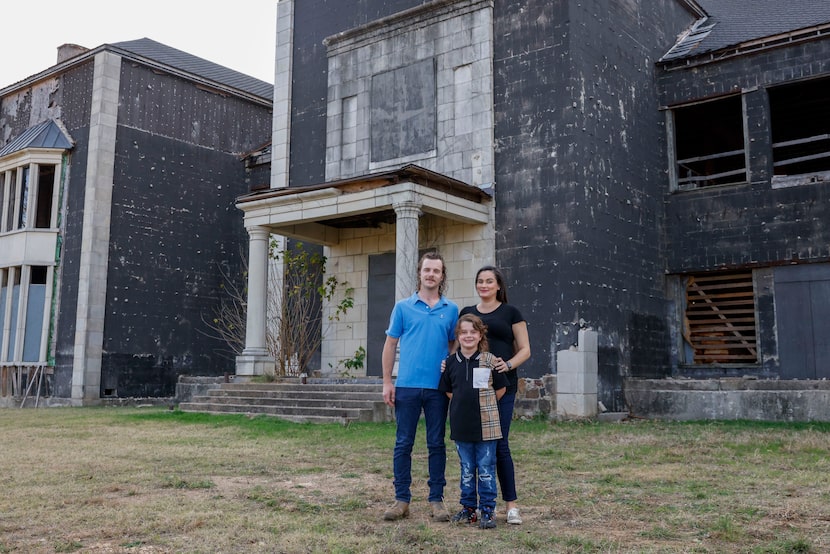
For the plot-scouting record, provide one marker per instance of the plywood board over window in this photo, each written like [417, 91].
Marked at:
[720, 323]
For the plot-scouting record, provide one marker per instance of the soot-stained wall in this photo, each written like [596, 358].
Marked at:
[310, 70]
[175, 229]
[580, 163]
[751, 225]
[69, 270]
[580, 176]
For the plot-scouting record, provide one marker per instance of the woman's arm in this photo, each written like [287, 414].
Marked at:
[521, 345]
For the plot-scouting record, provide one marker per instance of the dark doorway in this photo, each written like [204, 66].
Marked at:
[381, 287]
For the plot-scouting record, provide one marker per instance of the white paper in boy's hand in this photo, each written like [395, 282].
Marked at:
[481, 377]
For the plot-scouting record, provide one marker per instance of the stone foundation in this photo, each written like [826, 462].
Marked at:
[729, 399]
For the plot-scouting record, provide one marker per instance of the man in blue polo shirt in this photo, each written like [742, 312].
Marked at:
[424, 325]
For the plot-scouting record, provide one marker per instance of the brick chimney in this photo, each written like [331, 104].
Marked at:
[66, 51]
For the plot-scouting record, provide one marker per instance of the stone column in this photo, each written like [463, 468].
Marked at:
[255, 359]
[406, 247]
[93, 265]
[281, 120]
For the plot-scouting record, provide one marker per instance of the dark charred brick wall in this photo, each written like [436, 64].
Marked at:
[70, 257]
[174, 226]
[750, 225]
[581, 174]
[310, 69]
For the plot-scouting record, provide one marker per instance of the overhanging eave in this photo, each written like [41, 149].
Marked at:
[317, 213]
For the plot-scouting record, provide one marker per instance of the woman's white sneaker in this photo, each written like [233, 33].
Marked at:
[513, 516]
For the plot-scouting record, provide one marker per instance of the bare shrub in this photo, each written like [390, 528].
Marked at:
[297, 289]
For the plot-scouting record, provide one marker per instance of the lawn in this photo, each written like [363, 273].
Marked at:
[151, 480]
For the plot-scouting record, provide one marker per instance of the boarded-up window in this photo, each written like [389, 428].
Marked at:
[720, 322]
[403, 111]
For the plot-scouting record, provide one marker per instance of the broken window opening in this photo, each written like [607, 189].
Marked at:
[23, 211]
[10, 200]
[709, 143]
[43, 203]
[800, 127]
[28, 198]
[719, 322]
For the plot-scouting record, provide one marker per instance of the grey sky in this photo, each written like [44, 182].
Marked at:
[238, 35]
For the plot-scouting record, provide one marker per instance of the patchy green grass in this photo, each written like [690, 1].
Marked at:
[147, 480]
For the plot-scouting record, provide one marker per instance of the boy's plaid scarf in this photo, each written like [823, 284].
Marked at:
[490, 425]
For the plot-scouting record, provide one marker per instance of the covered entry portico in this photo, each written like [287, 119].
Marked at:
[399, 211]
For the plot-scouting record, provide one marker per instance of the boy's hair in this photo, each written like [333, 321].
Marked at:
[478, 325]
[434, 255]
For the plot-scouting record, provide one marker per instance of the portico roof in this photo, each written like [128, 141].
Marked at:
[317, 212]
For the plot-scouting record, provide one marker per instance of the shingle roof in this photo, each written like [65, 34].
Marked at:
[732, 23]
[161, 53]
[48, 134]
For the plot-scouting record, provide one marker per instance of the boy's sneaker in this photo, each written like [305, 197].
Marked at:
[466, 515]
[487, 520]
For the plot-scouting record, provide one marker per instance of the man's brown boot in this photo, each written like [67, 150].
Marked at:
[398, 510]
[439, 511]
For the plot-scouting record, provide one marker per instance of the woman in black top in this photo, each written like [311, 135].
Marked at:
[509, 342]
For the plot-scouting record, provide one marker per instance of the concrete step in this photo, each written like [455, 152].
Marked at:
[319, 402]
[308, 387]
[290, 394]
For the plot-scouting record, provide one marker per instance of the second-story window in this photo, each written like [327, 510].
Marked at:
[709, 144]
[800, 128]
[27, 197]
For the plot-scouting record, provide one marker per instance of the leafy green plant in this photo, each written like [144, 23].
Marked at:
[355, 363]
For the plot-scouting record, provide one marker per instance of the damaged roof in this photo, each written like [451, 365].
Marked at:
[48, 134]
[167, 55]
[735, 24]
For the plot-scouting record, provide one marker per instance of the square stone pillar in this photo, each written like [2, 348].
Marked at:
[577, 379]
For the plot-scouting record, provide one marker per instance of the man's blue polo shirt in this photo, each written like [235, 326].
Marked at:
[423, 334]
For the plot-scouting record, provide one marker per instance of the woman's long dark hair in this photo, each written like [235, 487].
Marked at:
[501, 294]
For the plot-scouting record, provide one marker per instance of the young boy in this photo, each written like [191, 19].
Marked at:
[474, 389]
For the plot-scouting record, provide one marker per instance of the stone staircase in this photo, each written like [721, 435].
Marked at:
[316, 401]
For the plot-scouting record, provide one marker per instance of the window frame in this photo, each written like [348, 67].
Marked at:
[799, 133]
[678, 183]
[12, 202]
